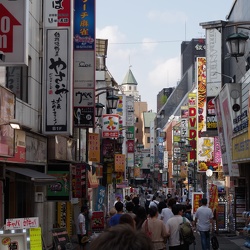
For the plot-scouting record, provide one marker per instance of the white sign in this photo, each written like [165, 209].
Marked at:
[21, 223]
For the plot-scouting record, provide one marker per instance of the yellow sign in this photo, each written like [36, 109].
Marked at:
[241, 147]
[36, 238]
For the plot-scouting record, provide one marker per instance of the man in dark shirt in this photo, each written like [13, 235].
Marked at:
[114, 220]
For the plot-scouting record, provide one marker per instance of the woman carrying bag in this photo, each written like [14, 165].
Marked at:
[155, 229]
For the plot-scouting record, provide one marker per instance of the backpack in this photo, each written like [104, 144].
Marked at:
[186, 232]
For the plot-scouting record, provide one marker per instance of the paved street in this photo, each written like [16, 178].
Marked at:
[226, 242]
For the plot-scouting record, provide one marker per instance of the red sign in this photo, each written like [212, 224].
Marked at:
[7, 21]
[130, 146]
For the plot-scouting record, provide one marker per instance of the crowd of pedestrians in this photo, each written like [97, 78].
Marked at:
[155, 224]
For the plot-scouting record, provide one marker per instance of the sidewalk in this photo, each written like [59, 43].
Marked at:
[226, 242]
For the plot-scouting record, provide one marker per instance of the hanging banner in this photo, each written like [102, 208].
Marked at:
[94, 147]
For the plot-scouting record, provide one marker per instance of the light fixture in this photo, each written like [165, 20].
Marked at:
[2, 56]
[112, 101]
[99, 108]
[120, 139]
[129, 135]
[209, 173]
[236, 44]
[13, 123]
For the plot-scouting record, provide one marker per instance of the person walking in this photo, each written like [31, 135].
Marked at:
[154, 202]
[167, 213]
[140, 217]
[114, 220]
[129, 207]
[81, 225]
[203, 218]
[173, 226]
[155, 229]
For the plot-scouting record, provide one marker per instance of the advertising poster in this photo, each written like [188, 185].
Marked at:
[97, 221]
[61, 189]
[15, 241]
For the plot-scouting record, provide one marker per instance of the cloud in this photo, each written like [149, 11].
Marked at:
[111, 33]
[166, 74]
[168, 16]
[148, 44]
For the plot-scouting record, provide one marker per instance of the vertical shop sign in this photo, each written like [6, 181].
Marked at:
[120, 161]
[100, 198]
[79, 178]
[84, 63]
[192, 123]
[57, 81]
[58, 67]
[196, 197]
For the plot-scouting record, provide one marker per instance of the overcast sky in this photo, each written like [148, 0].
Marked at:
[147, 36]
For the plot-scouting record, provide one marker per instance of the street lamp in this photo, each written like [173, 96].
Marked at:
[120, 139]
[236, 44]
[129, 135]
[99, 108]
[112, 101]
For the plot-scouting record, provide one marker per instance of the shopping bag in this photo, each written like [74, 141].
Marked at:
[214, 242]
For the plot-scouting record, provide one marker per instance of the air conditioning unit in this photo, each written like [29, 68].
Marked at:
[39, 197]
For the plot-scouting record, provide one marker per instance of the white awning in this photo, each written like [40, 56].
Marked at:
[35, 176]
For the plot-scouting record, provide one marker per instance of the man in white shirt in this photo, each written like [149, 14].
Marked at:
[81, 226]
[167, 213]
[204, 216]
[173, 225]
[154, 203]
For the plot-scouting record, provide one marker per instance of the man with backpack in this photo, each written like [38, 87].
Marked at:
[173, 225]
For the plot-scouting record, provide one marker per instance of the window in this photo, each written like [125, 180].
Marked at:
[17, 81]
[129, 87]
[148, 139]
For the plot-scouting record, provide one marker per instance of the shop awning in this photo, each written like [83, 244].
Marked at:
[37, 177]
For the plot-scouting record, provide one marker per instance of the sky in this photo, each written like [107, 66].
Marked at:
[146, 37]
